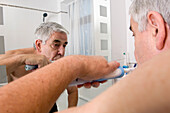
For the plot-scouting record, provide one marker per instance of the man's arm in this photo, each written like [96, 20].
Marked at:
[11, 54]
[36, 92]
[145, 90]
[12, 62]
[21, 51]
[72, 96]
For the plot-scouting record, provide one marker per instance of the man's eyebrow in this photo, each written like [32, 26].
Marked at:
[60, 41]
[57, 41]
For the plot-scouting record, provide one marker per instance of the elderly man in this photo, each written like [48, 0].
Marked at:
[50, 43]
[150, 24]
[145, 90]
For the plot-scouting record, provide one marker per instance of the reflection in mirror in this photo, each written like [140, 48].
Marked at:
[88, 23]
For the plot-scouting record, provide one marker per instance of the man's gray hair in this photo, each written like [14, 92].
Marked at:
[45, 30]
[140, 8]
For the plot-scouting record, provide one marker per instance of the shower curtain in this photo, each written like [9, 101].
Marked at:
[81, 37]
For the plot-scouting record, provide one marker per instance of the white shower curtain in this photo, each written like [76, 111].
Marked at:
[81, 39]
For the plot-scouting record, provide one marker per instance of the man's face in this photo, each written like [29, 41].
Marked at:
[144, 43]
[54, 47]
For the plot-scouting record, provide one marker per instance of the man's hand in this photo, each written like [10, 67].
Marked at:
[91, 68]
[34, 59]
[12, 62]
[95, 67]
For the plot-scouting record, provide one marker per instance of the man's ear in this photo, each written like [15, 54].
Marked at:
[158, 28]
[38, 44]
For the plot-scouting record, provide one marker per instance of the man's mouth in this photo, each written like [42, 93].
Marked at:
[56, 58]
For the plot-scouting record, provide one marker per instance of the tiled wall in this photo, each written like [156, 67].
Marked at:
[102, 28]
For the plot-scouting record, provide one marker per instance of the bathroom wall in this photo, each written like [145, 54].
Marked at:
[122, 40]
[19, 24]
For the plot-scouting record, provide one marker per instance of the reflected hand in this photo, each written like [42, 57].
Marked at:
[34, 59]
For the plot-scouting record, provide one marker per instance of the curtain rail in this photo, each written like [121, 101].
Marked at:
[15, 6]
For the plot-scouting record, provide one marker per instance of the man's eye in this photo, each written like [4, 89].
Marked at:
[57, 45]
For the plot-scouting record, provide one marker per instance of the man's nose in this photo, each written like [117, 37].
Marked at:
[61, 51]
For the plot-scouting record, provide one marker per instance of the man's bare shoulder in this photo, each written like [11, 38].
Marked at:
[21, 51]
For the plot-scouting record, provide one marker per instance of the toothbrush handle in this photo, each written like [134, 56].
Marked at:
[31, 67]
[118, 73]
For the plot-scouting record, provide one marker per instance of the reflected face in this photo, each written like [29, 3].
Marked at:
[54, 48]
[144, 44]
